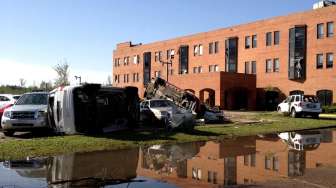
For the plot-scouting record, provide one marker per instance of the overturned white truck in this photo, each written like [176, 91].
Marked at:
[159, 88]
[92, 109]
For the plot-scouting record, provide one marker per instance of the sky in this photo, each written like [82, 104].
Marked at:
[36, 35]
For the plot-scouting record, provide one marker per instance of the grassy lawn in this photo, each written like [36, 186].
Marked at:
[47, 146]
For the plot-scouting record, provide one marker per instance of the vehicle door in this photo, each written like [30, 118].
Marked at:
[285, 104]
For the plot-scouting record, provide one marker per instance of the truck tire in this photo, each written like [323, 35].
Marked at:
[8, 133]
[293, 113]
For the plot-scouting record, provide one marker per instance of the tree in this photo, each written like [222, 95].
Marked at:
[46, 86]
[22, 82]
[109, 80]
[62, 70]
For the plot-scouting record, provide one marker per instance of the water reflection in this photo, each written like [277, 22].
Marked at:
[263, 160]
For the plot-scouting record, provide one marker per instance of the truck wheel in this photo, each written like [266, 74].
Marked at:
[8, 133]
[316, 116]
[293, 113]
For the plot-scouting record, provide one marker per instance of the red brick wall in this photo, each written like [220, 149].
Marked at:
[316, 78]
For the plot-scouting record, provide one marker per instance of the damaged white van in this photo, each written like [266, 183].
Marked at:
[92, 109]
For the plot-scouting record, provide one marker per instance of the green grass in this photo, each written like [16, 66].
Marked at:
[47, 146]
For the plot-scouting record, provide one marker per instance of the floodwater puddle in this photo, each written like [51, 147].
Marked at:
[292, 159]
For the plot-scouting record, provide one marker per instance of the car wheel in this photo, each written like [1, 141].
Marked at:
[8, 133]
[293, 113]
[279, 110]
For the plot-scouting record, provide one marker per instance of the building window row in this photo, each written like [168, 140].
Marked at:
[272, 65]
[126, 60]
[250, 67]
[320, 60]
[276, 38]
[213, 47]
[213, 68]
[198, 50]
[320, 30]
[197, 69]
[250, 43]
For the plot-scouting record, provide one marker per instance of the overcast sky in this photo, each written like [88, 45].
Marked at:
[36, 34]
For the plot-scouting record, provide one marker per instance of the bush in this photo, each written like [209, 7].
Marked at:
[329, 109]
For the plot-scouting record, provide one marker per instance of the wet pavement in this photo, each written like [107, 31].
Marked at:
[296, 159]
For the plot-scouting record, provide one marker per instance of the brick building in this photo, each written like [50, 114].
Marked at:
[234, 67]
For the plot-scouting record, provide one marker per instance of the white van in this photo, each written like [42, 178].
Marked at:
[92, 109]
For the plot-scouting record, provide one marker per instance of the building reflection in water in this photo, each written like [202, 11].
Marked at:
[240, 161]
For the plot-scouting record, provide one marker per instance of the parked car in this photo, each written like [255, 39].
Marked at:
[93, 109]
[165, 112]
[27, 114]
[298, 105]
[6, 101]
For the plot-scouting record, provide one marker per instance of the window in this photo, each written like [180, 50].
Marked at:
[254, 41]
[126, 60]
[269, 39]
[170, 54]
[247, 42]
[210, 176]
[213, 68]
[254, 67]
[268, 162]
[330, 60]
[247, 67]
[157, 74]
[198, 50]
[246, 160]
[276, 37]
[330, 29]
[276, 65]
[213, 47]
[125, 78]
[253, 159]
[216, 47]
[211, 44]
[320, 31]
[197, 69]
[275, 163]
[214, 178]
[135, 77]
[269, 67]
[136, 59]
[216, 68]
[325, 97]
[319, 61]
[158, 56]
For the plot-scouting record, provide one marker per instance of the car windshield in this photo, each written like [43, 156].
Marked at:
[310, 98]
[33, 99]
[159, 103]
